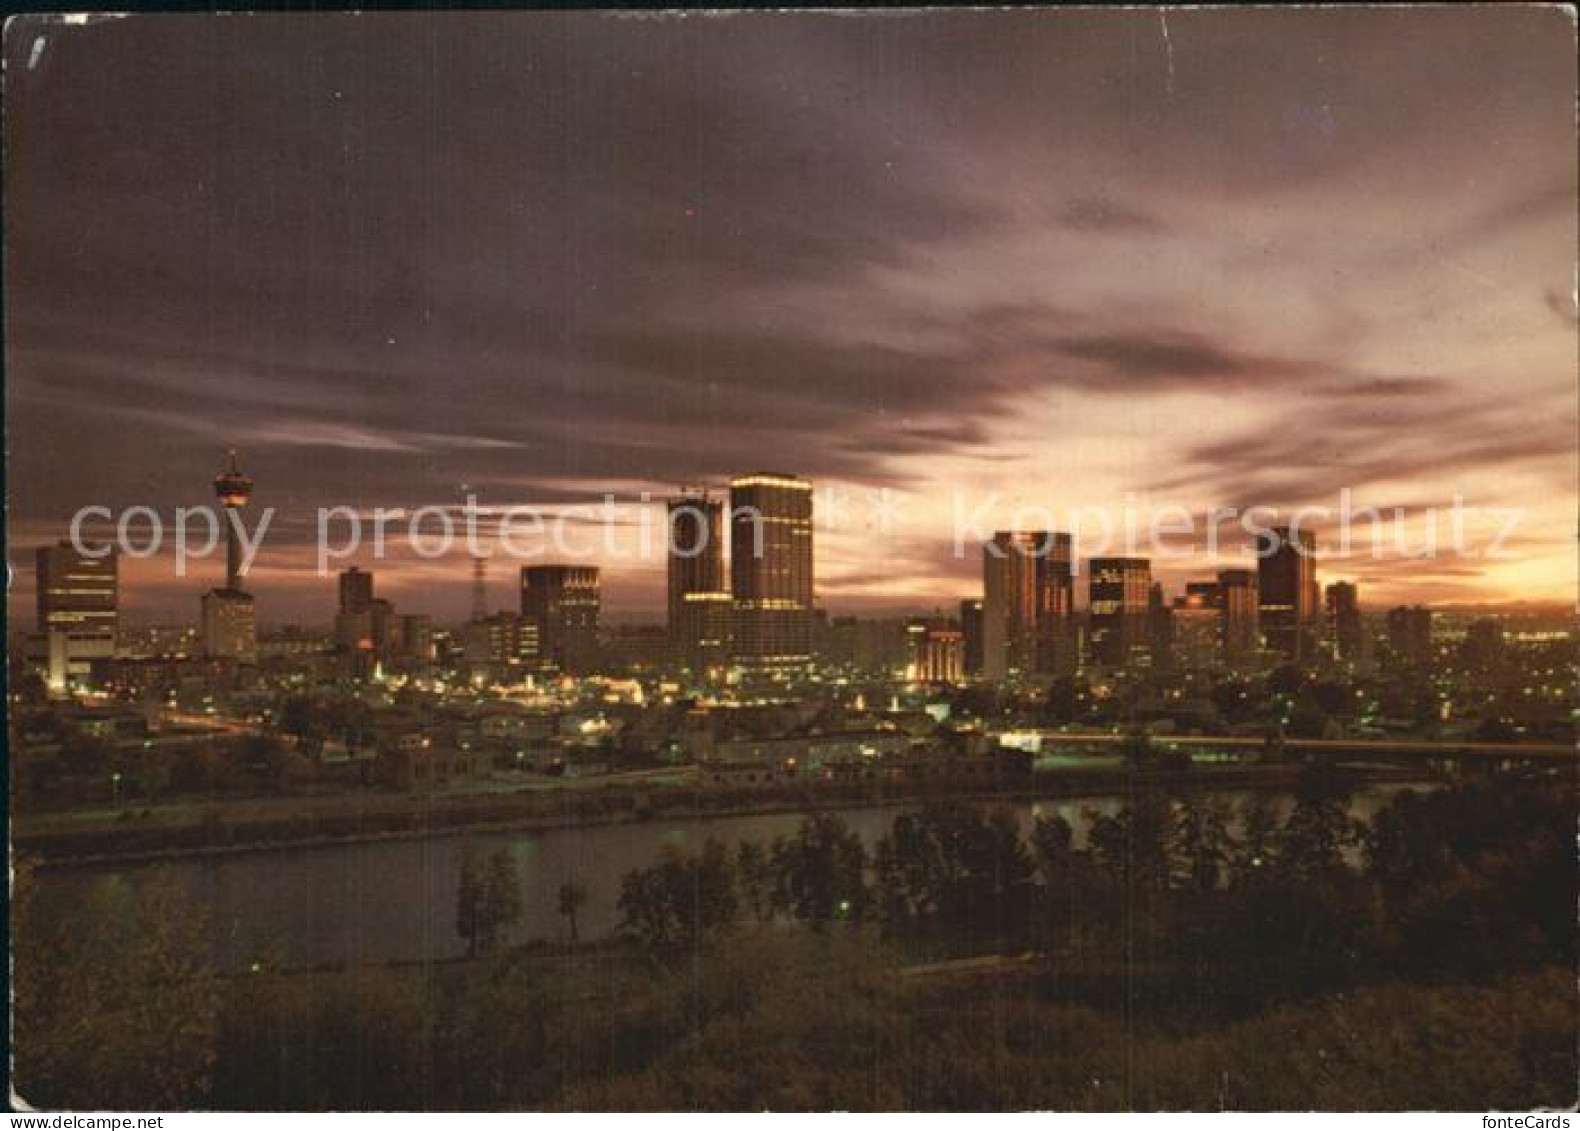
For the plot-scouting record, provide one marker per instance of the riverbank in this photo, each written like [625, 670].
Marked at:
[240, 827]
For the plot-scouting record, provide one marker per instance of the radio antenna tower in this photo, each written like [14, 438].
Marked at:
[479, 565]
[479, 587]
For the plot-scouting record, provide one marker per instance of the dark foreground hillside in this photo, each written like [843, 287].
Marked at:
[1183, 956]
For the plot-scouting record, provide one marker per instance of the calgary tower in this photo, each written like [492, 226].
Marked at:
[229, 621]
[234, 491]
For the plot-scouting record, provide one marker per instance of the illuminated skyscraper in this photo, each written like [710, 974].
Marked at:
[1028, 604]
[1009, 608]
[935, 651]
[771, 572]
[1118, 592]
[1286, 588]
[563, 602]
[1238, 605]
[1197, 624]
[356, 591]
[971, 630]
[700, 607]
[77, 610]
[1159, 629]
[229, 619]
[1054, 583]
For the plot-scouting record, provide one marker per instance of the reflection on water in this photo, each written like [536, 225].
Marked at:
[395, 900]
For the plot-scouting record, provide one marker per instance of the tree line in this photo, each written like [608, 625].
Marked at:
[1265, 897]
[1183, 953]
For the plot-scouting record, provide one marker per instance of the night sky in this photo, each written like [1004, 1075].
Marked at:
[1204, 259]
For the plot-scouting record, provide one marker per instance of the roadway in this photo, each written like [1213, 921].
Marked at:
[1339, 747]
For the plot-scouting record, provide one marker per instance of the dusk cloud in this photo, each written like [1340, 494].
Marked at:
[1039, 253]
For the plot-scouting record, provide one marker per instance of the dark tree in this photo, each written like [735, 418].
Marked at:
[820, 873]
[572, 896]
[755, 877]
[501, 898]
[680, 900]
[469, 912]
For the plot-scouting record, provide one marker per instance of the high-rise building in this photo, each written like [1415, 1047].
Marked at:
[971, 632]
[708, 621]
[1009, 604]
[1054, 588]
[562, 601]
[1239, 608]
[358, 634]
[356, 590]
[1197, 625]
[1028, 605]
[229, 620]
[936, 651]
[1287, 593]
[78, 614]
[771, 572]
[354, 631]
[230, 628]
[1344, 622]
[1160, 629]
[700, 607]
[1119, 590]
[411, 639]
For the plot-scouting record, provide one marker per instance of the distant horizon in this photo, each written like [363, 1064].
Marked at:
[655, 618]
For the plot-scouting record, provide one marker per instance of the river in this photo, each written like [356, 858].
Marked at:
[394, 900]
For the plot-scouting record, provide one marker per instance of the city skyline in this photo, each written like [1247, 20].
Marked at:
[950, 560]
[1134, 257]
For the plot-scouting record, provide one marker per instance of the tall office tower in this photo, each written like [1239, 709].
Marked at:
[1344, 622]
[413, 639]
[1197, 625]
[1009, 604]
[354, 631]
[357, 631]
[1238, 606]
[77, 610]
[1315, 623]
[936, 651]
[971, 632]
[771, 572]
[1119, 590]
[1286, 583]
[699, 604]
[1028, 606]
[1054, 585]
[709, 632]
[1160, 629]
[229, 620]
[356, 591]
[479, 587]
[563, 601]
[1410, 635]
